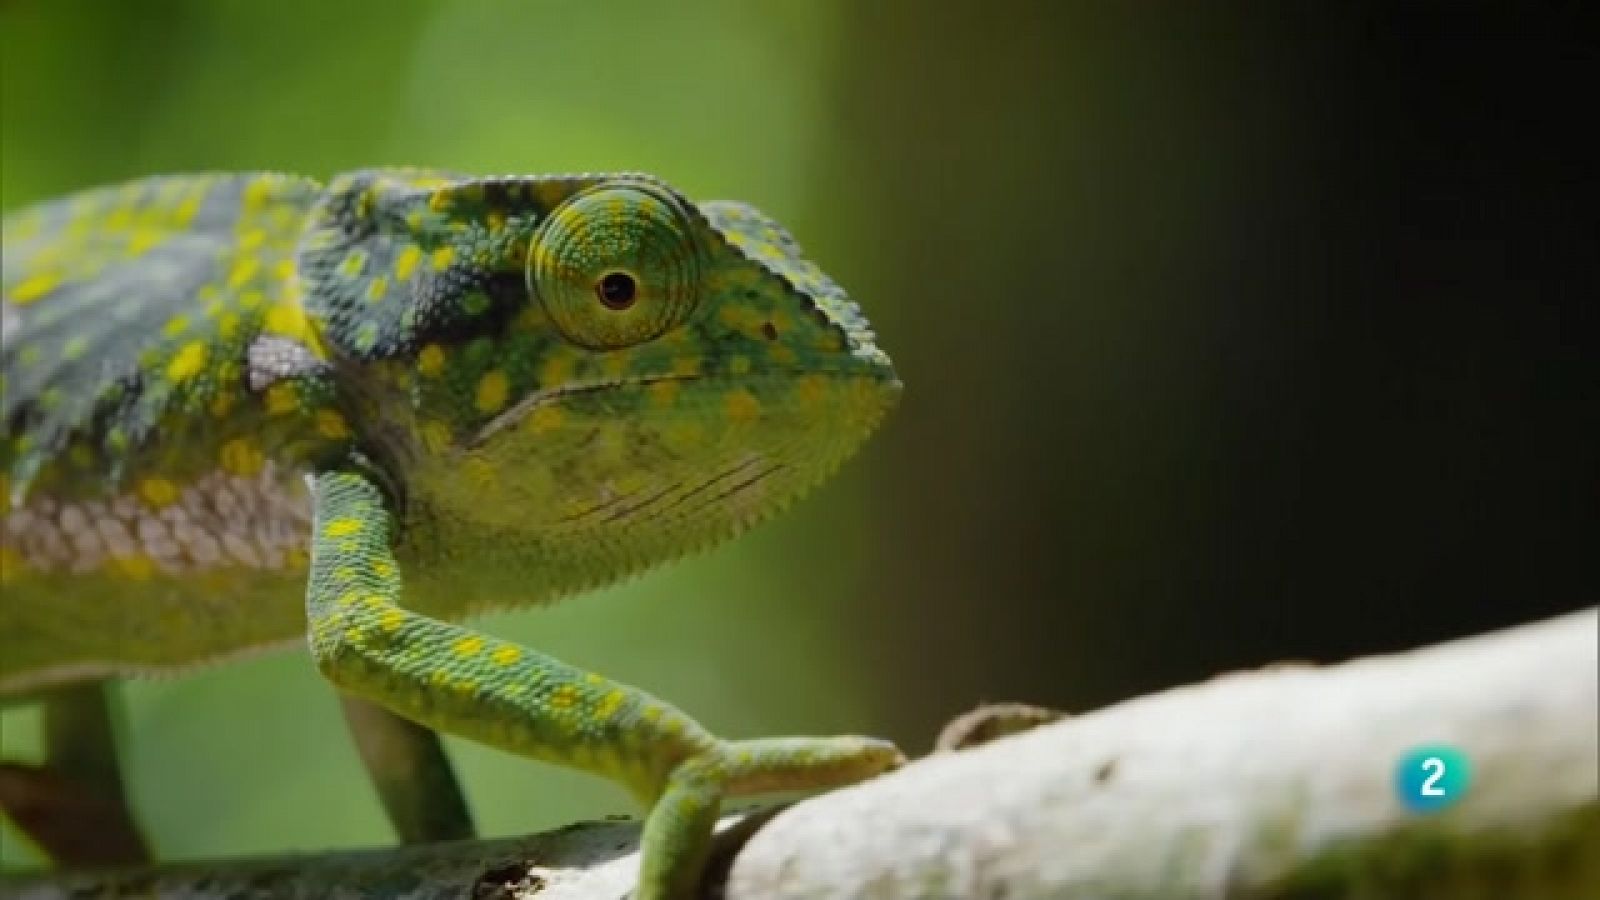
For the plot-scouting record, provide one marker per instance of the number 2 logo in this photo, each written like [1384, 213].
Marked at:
[1435, 767]
[1430, 778]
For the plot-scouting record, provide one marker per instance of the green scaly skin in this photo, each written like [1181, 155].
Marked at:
[405, 397]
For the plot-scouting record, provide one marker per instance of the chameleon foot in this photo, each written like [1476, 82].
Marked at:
[677, 833]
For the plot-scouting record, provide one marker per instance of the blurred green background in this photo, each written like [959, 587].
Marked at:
[1227, 338]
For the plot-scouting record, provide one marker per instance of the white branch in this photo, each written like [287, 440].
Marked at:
[1269, 784]
[1240, 786]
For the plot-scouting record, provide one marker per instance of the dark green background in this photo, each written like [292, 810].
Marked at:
[1227, 339]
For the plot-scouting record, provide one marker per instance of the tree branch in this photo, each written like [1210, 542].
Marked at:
[1270, 784]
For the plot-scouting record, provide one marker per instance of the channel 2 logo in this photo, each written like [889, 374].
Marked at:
[1432, 778]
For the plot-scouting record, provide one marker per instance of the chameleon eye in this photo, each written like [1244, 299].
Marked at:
[615, 265]
[616, 290]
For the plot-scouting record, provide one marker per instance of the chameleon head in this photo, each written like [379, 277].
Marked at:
[677, 372]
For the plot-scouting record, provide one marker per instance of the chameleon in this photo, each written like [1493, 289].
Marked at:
[253, 411]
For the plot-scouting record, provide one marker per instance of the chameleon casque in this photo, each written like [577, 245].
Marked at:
[247, 411]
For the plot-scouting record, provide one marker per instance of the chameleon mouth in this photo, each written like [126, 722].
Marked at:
[522, 408]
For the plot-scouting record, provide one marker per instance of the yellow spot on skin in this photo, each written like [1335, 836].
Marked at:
[686, 366]
[158, 492]
[281, 399]
[442, 258]
[284, 269]
[134, 568]
[228, 326]
[382, 569]
[391, 619]
[739, 365]
[257, 193]
[609, 704]
[556, 370]
[496, 220]
[810, 390]
[545, 419]
[430, 362]
[187, 210]
[435, 435]
[188, 362]
[376, 288]
[251, 239]
[492, 390]
[142, 240]
[737, 318]
[614, 365]
[481, 473]
[683, 435]
[782, 354]
[241, 457]
[564, 697]
[353, 263]
[468, 646]
[505, 654]
[342, 527]
[331, 425]
[287, 318]
[663, 393]
[34, 287]
[407, 262]
[175, 326]
[741, 406]
[244, 269]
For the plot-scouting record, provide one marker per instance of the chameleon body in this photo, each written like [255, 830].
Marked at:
[247, 411]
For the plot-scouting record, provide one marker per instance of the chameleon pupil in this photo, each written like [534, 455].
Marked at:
[616, 290]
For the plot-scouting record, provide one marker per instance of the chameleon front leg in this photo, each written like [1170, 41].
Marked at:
[409, 770]
[457, 680]
[73, 806]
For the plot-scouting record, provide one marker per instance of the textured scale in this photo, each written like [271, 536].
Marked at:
[241, 411]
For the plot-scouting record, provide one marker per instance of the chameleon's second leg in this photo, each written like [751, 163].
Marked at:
[73, 806]
[508, 696]
[413, 777]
